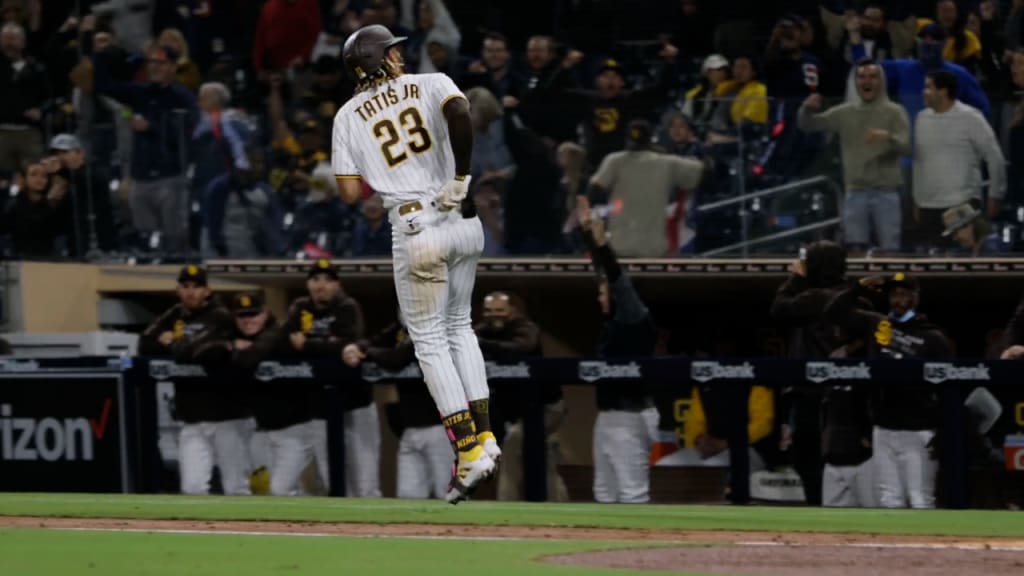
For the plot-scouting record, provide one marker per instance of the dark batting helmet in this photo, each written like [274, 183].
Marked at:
[365, 49]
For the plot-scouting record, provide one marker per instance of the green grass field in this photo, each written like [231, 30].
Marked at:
[34, 551]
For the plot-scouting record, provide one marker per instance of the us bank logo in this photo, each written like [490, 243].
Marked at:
[594, 371]
[166, 370]
[519, 371]
[706, 371]
[819, 372]
[939, 372]
[268, 371]
[374, 373]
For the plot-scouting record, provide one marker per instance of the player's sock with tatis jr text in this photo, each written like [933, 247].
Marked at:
[481, 411]
[462, 435]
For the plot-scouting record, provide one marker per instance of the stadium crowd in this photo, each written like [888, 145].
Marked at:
[122, 121]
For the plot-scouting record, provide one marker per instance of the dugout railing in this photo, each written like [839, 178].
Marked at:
[126, 415]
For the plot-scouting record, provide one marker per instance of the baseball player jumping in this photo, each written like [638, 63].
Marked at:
[410, 137]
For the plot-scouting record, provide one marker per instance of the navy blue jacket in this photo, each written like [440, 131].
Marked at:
[163, 150]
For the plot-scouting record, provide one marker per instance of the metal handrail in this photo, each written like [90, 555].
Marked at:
[773, 237]
[813, 181]
[746, 242]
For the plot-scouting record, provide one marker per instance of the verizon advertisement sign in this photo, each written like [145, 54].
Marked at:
[60, 433]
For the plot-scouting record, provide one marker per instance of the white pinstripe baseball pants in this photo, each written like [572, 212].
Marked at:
[435, 269]
[424, 463]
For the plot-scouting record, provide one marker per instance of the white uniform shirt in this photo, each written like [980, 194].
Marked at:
[395, 137]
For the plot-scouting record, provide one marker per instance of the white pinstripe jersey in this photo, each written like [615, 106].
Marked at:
[395, 137]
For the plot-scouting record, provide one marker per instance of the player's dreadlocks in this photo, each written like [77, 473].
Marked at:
[389, 70]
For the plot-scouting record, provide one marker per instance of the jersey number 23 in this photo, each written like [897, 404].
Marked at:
[417, 136]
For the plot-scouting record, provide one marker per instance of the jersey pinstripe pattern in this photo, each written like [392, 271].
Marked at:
[399, 143]
[395, 137]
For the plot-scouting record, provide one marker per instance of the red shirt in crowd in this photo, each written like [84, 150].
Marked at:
[287, 30]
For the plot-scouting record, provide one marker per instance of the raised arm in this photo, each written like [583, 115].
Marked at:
[124, 92]
[987, 148]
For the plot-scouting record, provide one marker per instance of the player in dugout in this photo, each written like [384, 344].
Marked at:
[906, 416]
[216, 419]
[322, 324]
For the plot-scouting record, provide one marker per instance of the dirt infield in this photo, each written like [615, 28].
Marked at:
[712, 552]
[807, 560]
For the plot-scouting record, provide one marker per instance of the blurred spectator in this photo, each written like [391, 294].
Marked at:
[971, 230]
[1015, 25]
[383, 12]
[372, 236]
[164, 115]
[216, 417]
[323, 324]
[1015, 133]
[106, 134]
[639, 183]
[492, 160]
[492, 164]
[132, 21]
[572, 161]
[695, 29]
[338, 21]
[286, 34]
[611, 109]
[506, 334]
[24, 90]
[701, 101]
[905, 416]
[678, 137]
[873, 133]
[962, 46]
[445, 60]
[870, 29]
[951, 141]
[299, 146]
[61, 51]
[220, 137]
[434, 26]
[622, 440]
[34, 217]
[799, 306]
[90, 199]
[425, 455]
[993, 62]
[329, 89]
[188, 73]
[491, 213]
[790, 73]
[905, 77]
[531, 205]
[746, 103]
[243, 215]
[323, 224]
[493, 70]
[543, 94]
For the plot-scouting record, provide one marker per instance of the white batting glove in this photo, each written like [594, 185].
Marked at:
[453, 193]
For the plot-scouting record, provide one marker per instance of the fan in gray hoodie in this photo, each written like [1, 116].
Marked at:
[873, 134]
